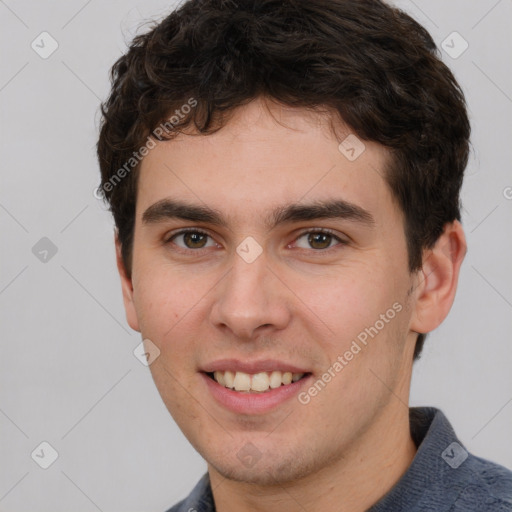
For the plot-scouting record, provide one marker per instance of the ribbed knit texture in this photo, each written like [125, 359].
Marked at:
[443, 477]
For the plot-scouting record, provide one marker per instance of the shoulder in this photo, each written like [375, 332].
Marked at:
[177, 507]
[487, 487]
[187, 506]
[444, 475]
[199, 500]
[181, 506]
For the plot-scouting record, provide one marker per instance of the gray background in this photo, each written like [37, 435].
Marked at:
[68, 373]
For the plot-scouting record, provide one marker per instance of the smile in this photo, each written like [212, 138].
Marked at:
[254, 383]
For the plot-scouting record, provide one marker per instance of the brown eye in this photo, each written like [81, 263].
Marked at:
[191, 239]
[194, 240]
[318, 240]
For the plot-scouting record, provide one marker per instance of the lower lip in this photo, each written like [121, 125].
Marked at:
[253, 403]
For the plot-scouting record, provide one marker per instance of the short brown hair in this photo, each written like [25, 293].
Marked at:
[368, 61]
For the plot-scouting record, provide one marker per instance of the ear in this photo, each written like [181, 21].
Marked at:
[127, 287]
[437, 280]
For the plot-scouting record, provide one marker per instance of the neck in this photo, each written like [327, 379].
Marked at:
[364, 474]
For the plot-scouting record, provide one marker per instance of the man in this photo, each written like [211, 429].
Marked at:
[284, 177]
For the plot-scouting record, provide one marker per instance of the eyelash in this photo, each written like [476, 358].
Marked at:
[325, 231]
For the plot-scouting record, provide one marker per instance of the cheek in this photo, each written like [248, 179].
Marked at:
[365, 319]
[172, 309]
[163, 300]
[350, 302]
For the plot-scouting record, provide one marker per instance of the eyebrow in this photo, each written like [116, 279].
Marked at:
[294, 212]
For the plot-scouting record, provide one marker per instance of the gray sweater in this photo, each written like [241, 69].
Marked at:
[443, 477]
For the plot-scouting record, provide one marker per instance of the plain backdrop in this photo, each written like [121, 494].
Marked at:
[68, 373]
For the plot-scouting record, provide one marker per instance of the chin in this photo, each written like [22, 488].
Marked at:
[277, 469]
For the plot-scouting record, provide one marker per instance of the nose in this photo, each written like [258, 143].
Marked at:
[250, 300]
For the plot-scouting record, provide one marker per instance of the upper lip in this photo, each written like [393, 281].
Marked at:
[262, 365]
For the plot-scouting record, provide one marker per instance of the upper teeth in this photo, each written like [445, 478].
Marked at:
[260, 382]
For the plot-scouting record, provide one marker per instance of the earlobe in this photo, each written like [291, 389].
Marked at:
[127, 288]
[437, 280]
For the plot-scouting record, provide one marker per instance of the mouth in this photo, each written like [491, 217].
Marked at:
[255, 383]
[253, 388]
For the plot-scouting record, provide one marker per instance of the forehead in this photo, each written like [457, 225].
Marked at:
[264, 156]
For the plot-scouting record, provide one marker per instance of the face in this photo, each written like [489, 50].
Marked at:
[263, 255]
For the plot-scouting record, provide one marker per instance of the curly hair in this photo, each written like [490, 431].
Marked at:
[371, 63]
